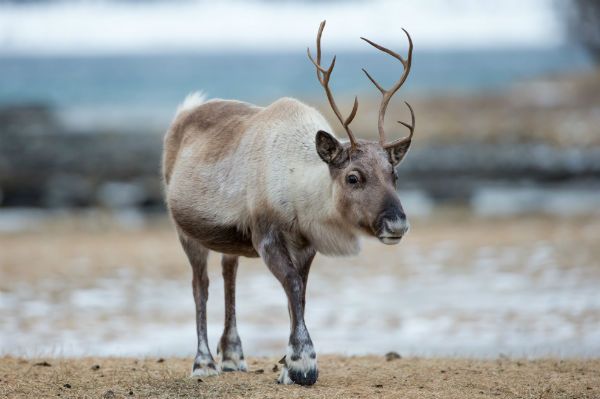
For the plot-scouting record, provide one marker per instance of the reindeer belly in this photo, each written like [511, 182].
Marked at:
[227, 239]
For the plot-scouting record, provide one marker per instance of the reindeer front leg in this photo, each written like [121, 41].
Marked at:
[300, 365]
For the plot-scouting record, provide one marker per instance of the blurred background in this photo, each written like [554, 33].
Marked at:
[502, 184]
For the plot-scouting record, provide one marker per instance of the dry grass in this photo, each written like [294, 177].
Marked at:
[340, 377]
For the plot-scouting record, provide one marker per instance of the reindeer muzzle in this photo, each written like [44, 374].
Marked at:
[391, 231]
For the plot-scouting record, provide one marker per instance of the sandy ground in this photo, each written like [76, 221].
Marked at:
[340, 377]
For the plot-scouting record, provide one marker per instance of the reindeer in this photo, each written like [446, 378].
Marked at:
[274, 182]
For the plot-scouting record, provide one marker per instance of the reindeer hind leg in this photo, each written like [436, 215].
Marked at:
[230, 345]
[204, 364]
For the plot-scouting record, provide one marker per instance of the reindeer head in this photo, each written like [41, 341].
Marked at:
[364, 172]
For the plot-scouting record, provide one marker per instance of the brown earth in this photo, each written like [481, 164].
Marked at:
[340, 377]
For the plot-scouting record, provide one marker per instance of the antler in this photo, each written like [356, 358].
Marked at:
[323, 75]
[387, 94]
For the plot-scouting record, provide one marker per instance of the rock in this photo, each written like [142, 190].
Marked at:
[29, 119]
[43, 364]
[392, 356]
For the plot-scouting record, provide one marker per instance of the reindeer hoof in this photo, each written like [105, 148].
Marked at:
[302, 370]
[233, 365]
[205, 369]
[232, 356]
[304, 377]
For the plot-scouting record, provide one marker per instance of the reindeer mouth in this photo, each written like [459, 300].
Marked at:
[389, 240]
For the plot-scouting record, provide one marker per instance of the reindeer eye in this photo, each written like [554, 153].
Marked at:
[352, 179]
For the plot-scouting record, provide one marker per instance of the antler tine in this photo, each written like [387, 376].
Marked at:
[388, 94]
[411, 129]
[381, 89]
[323, 75]
[320, 69]
[350, 117]
[385, 50]
[318, 63]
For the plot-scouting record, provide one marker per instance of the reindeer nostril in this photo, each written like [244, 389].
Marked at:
[396, 226]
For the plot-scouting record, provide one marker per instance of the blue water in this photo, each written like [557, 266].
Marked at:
[155, 81]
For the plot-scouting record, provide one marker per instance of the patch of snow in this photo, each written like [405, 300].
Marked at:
[414, 304]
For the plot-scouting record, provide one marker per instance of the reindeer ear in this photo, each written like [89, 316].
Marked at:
[329, 148]
[398, 152]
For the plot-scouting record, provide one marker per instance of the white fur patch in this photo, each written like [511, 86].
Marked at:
[191, 101]
[284, 377]
[305, 363]
[205, 372]
[232, 364]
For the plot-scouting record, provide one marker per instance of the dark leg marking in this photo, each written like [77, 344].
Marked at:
[303, 265]
[300, 361]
